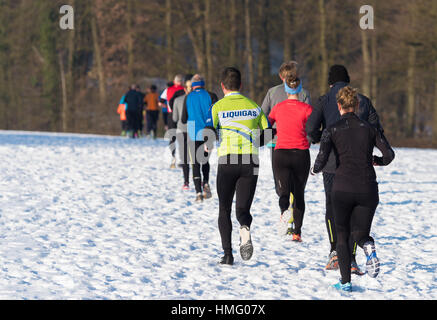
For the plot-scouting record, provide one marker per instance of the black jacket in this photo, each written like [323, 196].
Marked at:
[133, 101]
[352, 140]
[325, 114]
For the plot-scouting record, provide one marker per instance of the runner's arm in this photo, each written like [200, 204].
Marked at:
[324, 151]
[387, 152]
[314, 123]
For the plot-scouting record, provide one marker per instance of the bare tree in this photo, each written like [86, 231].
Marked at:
[169, 38]
[365, 87]
[208, 44]
[233, 33]
[287, 14]
[249, 51]
[98, 60]
[322, 47]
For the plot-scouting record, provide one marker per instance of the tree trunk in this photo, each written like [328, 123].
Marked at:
[287, 12]
[70, 76]
[434, 124]
[411, 91]
[50, 81]
[374, 76]
[365, 87]
[130, 42]
[98, 60]
[195, 33]
[208, 44]
[249, 52]
[199, 35]
[69, 79]
[233, 33]
[264, 52]
[323, 77]
[64, 112]
[4, 61]
[169, 39]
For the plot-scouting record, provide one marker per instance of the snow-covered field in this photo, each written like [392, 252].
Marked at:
[100, 217]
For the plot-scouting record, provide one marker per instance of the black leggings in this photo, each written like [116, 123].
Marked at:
[133, 121]
[240, 179]
[353, 215]
[291, 168]
[172, 142]
[152, 117]
[182, 139]
[199, 160]
[272, 151]
[328, 181]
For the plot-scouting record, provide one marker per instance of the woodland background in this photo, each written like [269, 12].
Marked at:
[72, 80]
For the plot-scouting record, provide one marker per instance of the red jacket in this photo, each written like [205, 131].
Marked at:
[170, 93]
[291, 117]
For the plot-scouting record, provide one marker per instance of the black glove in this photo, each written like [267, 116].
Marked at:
[377, 161]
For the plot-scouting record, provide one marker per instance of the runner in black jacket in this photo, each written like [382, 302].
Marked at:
[134, 102]
[325, 113]
[354, 190]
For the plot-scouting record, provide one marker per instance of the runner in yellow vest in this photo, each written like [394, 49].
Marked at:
[239, 122]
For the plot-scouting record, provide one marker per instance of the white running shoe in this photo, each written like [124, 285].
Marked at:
[284, 222]
[173, 163]
[246, 247]
[372, 263]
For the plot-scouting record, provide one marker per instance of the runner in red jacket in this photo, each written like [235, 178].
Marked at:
[291, 159]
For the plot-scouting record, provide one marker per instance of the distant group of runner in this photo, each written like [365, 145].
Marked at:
[343, 121]
[136, 109]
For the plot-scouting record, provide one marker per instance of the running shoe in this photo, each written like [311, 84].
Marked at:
[296, 237]
[372, 263]
[246, 247]
[355, 269]
[199, 197]
[186, 186]
[333, 261]
[206, 191]
[173, 163]
[284, 222]
[227, 259]
[343, 286]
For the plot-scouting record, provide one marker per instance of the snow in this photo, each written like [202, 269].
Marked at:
[101, 217]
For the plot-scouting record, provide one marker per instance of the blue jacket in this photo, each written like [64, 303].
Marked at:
[196, 111]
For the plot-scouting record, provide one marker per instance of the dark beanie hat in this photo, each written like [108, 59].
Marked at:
[338, 73]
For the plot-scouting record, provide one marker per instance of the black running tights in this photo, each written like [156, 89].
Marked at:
[182, 139]
[199, 160]
[328, 181]
[291, 168]
[353, 215]
[240, 179]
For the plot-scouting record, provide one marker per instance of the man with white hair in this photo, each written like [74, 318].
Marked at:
[181, 133]
[177, 86]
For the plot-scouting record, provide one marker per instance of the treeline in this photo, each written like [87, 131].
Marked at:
[71, 80]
